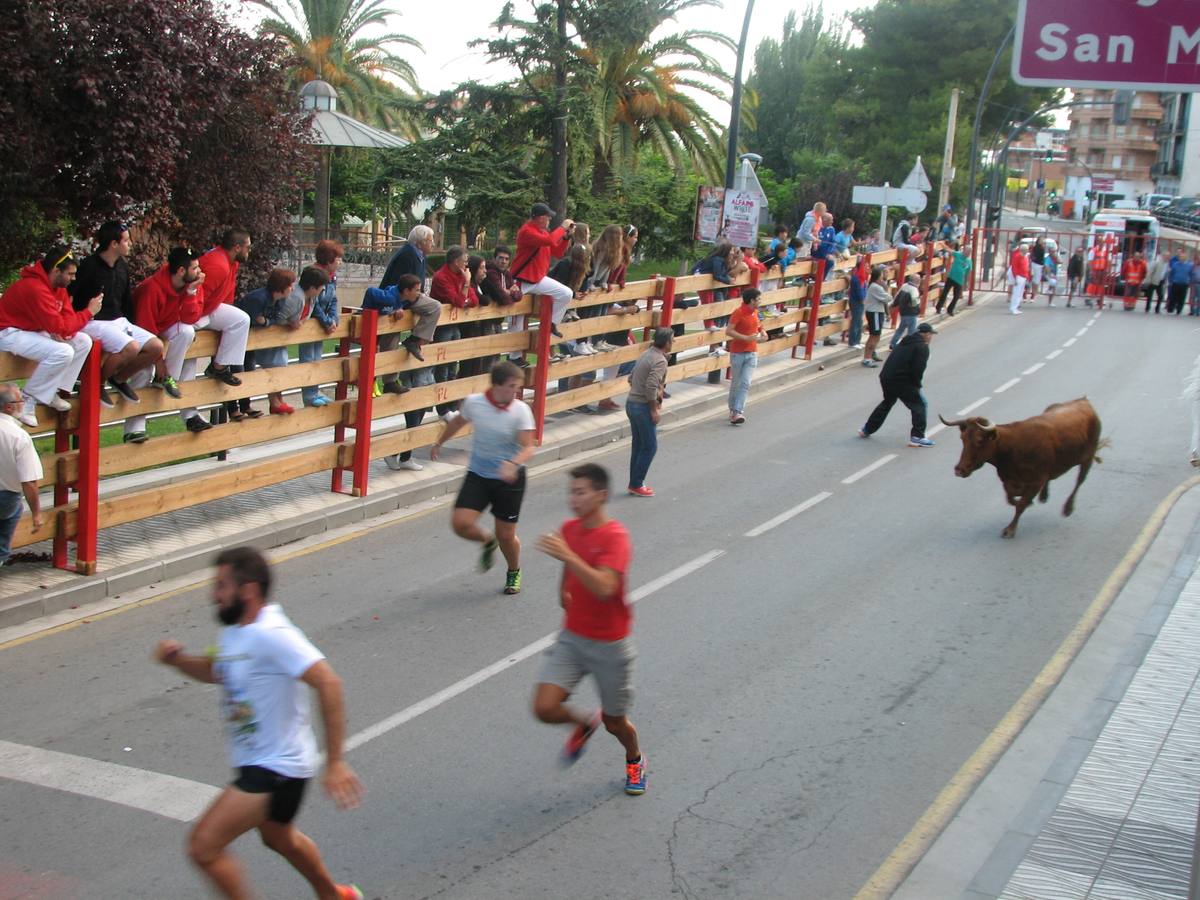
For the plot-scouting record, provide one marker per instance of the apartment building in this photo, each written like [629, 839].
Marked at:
[1177, 169]
[1113, 161]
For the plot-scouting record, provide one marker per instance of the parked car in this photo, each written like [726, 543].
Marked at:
[1177, 212]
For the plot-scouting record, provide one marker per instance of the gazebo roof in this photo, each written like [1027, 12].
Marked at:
[331, 128]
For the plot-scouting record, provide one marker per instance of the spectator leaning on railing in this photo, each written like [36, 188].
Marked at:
[266, 306]
[37, 322]
[324, 309]
[451, 286]
[20, 471]
[408, 260]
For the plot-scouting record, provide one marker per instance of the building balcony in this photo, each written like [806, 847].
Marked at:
[1166, 169]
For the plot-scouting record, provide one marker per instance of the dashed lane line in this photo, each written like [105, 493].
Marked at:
[1054, 354]
[936, 429]
[789, 514]
[1033, 368]
[867, 470]
[1082, 331]
[1069, 343]
[1004, 387]
[967, 410]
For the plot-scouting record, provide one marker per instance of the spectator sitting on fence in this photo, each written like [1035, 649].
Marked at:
[902, 235]
[610, 260]
[844, 240]
[394, 300]
[217, 313]
[451, 287]
[168, 304]
[38, 322]
[779, 242]
[20, 471]
[125, 348]
[262, 306]
[874, 242]
[825, 246]
[497, 289]
[908, 302]
[324, 309]
[809, 226]
[572, 271]
[406, 291]
[536, 244]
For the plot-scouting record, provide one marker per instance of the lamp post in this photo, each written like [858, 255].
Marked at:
[735, 115]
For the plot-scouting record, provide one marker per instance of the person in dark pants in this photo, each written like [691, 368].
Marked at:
[642, 407]
[901, 380]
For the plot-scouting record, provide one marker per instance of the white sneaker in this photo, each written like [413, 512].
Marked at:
[1051, 302]
[1016, 312]
[720, 351]
[856, 346]
[59, 404]
[410, 465]
[588, 349]
[393, 462]
[28, 413]
[448, 416]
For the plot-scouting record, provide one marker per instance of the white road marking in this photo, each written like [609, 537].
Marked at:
[1004, 387]
[974, 406]
[392, 722]
[1082, 331]
[164, 795]
[1095, 317]
[936, 429]
[183, 800]
[1033, 368]
[790, 514]
[867, 470]
[1070, 342]
[1054, 354]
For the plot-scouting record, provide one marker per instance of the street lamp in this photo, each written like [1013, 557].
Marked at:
[735, 116]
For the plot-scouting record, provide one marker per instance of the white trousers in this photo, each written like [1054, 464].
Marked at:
[1018, 291]
[1035, 275]
[179, 338]
[59, 362]
[556, 291]
[234, 326]
[114, 335]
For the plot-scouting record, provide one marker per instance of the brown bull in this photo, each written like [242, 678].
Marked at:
[1029, 454]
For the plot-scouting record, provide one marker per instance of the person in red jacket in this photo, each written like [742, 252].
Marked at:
[1019, 265]
[169, 304]
[220, 266]
[452, 286]
[1133, 273]
[38, 322]
[536, 244]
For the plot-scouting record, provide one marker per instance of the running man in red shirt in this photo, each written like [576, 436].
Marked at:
[595, 639]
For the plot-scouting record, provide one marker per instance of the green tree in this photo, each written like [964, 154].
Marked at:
[340, 41]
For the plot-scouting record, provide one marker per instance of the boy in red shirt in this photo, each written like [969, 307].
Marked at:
[744, 332]
[595, 551]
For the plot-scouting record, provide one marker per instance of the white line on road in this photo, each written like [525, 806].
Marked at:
[163, 795]
[790, 514]
[1004, 387]
[974, 406]
[1082, 331]
[936, 429]
[392, 722]
[1070, 342]
[1054, 354]
[864, 472]
[1033, 368]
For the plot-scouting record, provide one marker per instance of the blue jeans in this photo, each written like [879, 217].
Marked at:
[11, 508]
[856, 321]
[310, 352]
[645, 441]
[743, 366]
[907, 326]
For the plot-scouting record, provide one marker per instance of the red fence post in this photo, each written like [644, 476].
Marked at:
[87, 484]
[368, 323]
[975, 274]
[668, 305]
[62, 494]
[541, 374]
[926, 274]
[340, 392]
[814, 309]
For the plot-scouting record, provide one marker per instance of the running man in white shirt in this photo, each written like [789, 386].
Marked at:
[503, 443]
[265, 666]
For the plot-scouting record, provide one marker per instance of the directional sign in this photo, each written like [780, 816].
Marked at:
[1148, 45]
[918, 180]
[911, 199]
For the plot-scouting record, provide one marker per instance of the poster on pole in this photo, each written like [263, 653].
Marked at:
[710, 214]
[741, 218]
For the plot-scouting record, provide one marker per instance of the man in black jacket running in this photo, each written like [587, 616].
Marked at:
[901, 380]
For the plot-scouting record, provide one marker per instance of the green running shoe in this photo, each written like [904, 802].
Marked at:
[512, 582]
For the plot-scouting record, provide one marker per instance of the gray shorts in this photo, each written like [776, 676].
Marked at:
[572, 657]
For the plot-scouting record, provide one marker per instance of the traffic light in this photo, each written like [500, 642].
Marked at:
[1049, 156]
[1053, 193]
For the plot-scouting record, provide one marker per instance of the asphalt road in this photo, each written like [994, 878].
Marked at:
[803, 694]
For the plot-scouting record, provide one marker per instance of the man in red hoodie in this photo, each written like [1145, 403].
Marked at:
[535, 245]
[1019, 266]
[38, 322]
[169, 304]
[220, 266]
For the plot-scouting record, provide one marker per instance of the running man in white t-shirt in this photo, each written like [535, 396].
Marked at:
[265, 666]
[503, 425]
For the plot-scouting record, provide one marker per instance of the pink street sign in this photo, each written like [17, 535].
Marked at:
[1143, 45]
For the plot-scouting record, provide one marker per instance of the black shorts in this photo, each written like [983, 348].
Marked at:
[478, 493]
[286, 793]
[875, 323]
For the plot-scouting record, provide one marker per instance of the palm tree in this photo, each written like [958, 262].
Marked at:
[331, 40]
[647, 90]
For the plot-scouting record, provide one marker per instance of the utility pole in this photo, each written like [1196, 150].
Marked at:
[948, 154]
[735, 115]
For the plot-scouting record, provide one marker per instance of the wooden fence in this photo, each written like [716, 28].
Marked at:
[811, 307]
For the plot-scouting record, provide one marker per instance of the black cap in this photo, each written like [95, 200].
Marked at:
[540, 209]
[926, 328]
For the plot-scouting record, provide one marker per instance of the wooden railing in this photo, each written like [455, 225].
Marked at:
[810, 308]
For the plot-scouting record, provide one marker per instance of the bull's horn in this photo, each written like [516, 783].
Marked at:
[986, 425]
[957, 423]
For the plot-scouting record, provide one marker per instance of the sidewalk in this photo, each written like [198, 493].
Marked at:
[1098, 796]
[153, 550]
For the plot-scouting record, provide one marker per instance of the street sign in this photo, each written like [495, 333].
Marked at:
[1147, 45]
[917, 180]
[741, 218]
[710, 214]
[910, 199]
[1102, 184]
[1043, 140]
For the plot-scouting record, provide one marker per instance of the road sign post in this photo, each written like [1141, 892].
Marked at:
[912, 199]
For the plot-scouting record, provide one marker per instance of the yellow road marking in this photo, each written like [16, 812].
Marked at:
[891, 874]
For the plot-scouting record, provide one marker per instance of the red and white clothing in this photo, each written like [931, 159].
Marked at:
[220, 278]
[606, 546]
[37, 322]
[535, 246]
[1019, 266]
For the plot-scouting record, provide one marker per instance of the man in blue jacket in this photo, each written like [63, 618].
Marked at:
[1179, 277]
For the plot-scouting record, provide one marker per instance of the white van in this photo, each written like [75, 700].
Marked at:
[1137, 231]
[1154, 201]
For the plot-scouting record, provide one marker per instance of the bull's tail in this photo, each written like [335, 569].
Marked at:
[1102, 445]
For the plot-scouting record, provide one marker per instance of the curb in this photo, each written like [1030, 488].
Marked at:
[111, 584]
